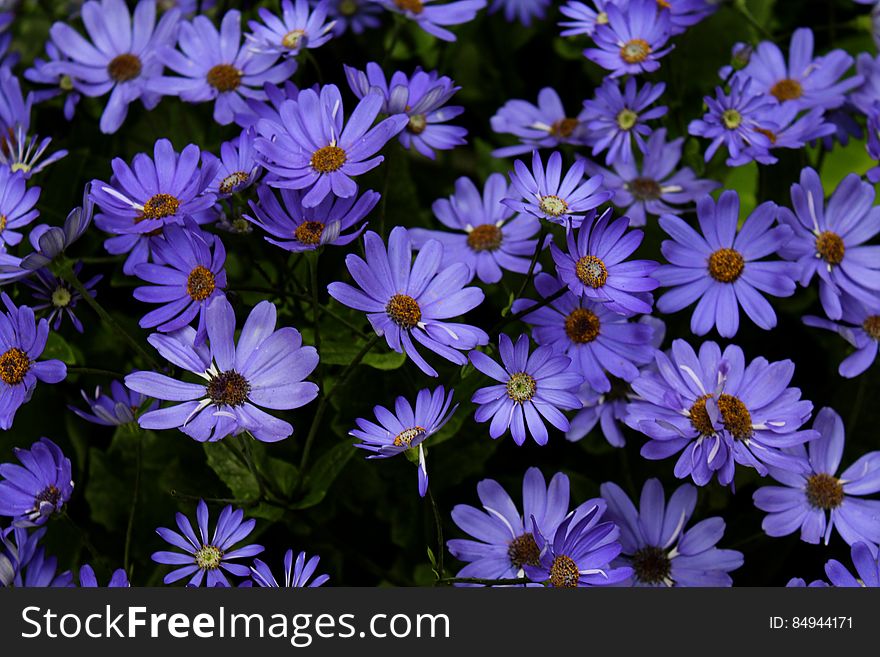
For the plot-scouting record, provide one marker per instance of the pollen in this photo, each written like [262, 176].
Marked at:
[406, 437]
[224, 77]
[769, 134]
[644, 189]
[123, 68]
[591, 271]
[200, 283]
[732, 119]
[734, 416]
[413, 6]
[417, 124]
[209, 557]
[404, 311]
[564, 573]
[348, 7]
[309, 232]
[233, 181]
[14, 364]
[635, 51]
[228, 388]
[328, 159]
[664, 4]
[61, 297]
[3, 221]
[485, 237]
[553, 205]
[582, 326]
[726, 265]
[830, 247]
[563, 128]
[872, 326]
[626, 119]
[50, 494]
[521, 387]
[160, 206]
[651, 565]
[787, 89]
[824, 491]
[292, 39]
[523, 551]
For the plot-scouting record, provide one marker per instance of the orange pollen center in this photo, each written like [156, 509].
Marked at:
[582, 326]
[553, 205]
[734, 416]
[591, 271]
[564, 573]
[414, 6]
[787, 89]
[123, 68]
[485, 237]
[635, 51]
[229, 388]
[231, 182]
[769, 134]
[417, 124]
[3, 221]
[406, 437]
[563, 128]
[160, 206]
[830, 247]
[200, 283]
[664, 4]
[292, 39]
[309, 232]
[872, 326]
[523, 551]
[224, 77]
[328, 159]
[726, 265]
[521, 387]
[824, 491]
[404, 311]
[14, 364]
[644, 189]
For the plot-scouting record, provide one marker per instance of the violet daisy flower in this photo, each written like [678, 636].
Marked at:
[354, 15]
[617, 119]
[22, 340]
[722, 268]
[818, 501]
[503, 540]
[406, 428]
[598, 341]
[15, 108]
[549, 195]
[39, 487]
[23, 153]
[433, 17]
[296, 575]
[407, 301]
[421, 97]
[203, 556]
[545, 125]
[583, 18]
[632, 40]
[150, 194]
[44, 71]
[119, 407]
[830, 240]
[237, 167]
[123, 58]
[868, 92]
[867, 565]
[296, 28]
[655, 187]
[489, 236]
[58, 297]
[23, 561]
[657, 546]
[522, 10]
[87, 578]
[531, 388]
[806, 81]
[311, 150]
[265, 369]
[595, 265]
[17, 203]
[860, 327]
[217, 66]
[717, 412]
[685, 13]
[580, 552]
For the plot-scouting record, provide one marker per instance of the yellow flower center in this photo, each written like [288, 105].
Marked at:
[787, 89]
[414, 6]
[563, 128]
[734, 416]
[485, 237]
[635, 51]
[872, 326]
[292, 39]
[209, 557]
[591, 271]
[523, 551]
[224, 77]
[626, 119]
[406, 437]
[417, 124]
[14, 365]
[732, 119]
[309, 232]
[61, 297]
[564, 573]
[553, 205]
[404, 311]
[123, 68]
[830, 247]
[521, 387]
[824, 491]
[232, 181]
[726, 265]
[582, 326]
[200, 283]
[160, 206]
[328, 159]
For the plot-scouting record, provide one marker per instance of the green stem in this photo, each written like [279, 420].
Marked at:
[534, 263]
[129, 532]
[245, 504]
[438, 525]
[94, 371]
[522, 313]
[742, 9]
[489, 582]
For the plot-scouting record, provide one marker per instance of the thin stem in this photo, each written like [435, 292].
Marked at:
[538, 248]
[438, 525]
[83, 537]
[246, 504]
[522, 313]
[95, 371]
[489, 582]
[742, 9]
[316, 307]
[129, 532]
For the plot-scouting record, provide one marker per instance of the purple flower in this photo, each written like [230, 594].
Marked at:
[786, 127]
[595, 265]
[123, 58]
[203, 556]
[216, 66]
[87, 578]
[298, 228]
[489, 236]
[311, 150]
[584, 19]
[58, 297]
[237, 167]
[808, 499]
[120, 407]
[421, 97]
[17, 203]
[265, 369]
[655, 187]
[545, 125]
[522, 10]
[530, 389]
[598, 341]
[504, 542]
[868, 92]
[406, 428]
[608, 410]
[268, 108]
[22, 340]
[433, 17]
[15, 109]
[860, 327]
[549, 195]
[717, 412]
[295, 29]
[685, 13]
[23, 562]
[830, 240]
[580, 552]
[722, 267]
[296, 575]
[39, 487]
[354, 15]
[806, 81]
[656, 545]
[23, 153]
[865, 559]
[149, 195]
[407, 301]
[616, 119]
[48, 72]
[632, 40]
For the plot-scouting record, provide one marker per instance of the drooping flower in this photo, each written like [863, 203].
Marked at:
[549, 195]
[296, 575]
[531, 388]
[407, 301]
[489, 237]
[206, 558]
[119, 407]
[87, 578]
[859, 326]
[296, 28]
[433, 18]
[22, 341]
[632, 40]
[545, 125]
[656, 545]
[818, 501]
[723, 267]
[265, 369]
[39, 487]
[421, 97]
[717, 411]
[58, 297]
[311, 150]
[406, 428]
[521, 10]
[237, 167]
[17, 203]
[24, 563]
[829, 240]
[595, 265]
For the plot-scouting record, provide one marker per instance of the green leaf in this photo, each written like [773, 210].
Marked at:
[227, 464]
[57, 347]
[324, 473]
[342, 353]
